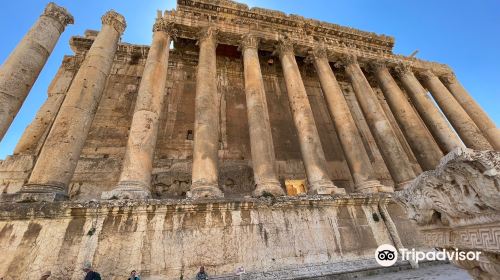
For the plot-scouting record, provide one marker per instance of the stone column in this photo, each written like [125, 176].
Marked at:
[36, 131]
[310, 144]
[463, 124]
[421, 142]
[394, 156]
[22, 67]
[61, 151]
[357, 158]
[263, 162]
[476, 113]
[205, 176]
[135, 178]
[444, 135]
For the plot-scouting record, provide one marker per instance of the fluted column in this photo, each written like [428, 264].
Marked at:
[61, 151]
[357, 158]
[22, 67]
[425, 149]
[34, 133]
[135, 177]
[263, 162]
[313, 156]
[394, 156]
[434, 120]
[205, 176]
[459, 119]
[476, 113]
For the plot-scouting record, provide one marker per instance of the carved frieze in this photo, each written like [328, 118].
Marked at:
[464, 189]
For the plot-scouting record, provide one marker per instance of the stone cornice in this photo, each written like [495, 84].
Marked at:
[80, 44]
[225, 10]
[189, 23]
[115, 20]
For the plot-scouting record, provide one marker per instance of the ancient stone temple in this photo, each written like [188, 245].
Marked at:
[240, 137]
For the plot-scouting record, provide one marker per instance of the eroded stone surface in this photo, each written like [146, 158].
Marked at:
[458, 206]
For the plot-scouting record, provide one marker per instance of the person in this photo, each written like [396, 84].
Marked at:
[202, 275]
[46, 275]
[240, 271]
[90, 273]
[133, 275]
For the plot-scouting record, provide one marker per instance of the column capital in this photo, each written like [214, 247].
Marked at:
[403, 69]
[449, 78]
[115, 20]
[58, 13]
[426, 74]
[377, 65]
[249, 41]
[346, 59]
[208, 33]
[285, 46]
[319, 52]
[161, 25]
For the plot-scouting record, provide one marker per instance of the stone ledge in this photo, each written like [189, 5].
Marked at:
[12, 210]
[352, 269]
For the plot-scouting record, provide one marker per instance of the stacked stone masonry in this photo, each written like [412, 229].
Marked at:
[243, 101]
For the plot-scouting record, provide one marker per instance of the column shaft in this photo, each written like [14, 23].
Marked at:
[423, 146]
[350, 139]
[61, 151]
[34, 133]
[476, 113]
[394, 156]
[435, 121]
[310, 144]
[463, 124]
[24, 64]
[263, 162]
[205, 177]
[135, 178]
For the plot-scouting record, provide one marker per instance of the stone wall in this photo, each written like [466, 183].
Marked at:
[168, 238]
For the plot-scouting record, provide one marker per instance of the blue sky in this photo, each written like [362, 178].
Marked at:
[463, 34]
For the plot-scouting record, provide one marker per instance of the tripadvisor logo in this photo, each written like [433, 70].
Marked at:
[387, 255]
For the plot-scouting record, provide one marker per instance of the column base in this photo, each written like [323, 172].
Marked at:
[271, 187]
[371, 186]
[401, 186]
[324, 187]
[204, 191]
[385, 189]
[36, 193]
[128, 190]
